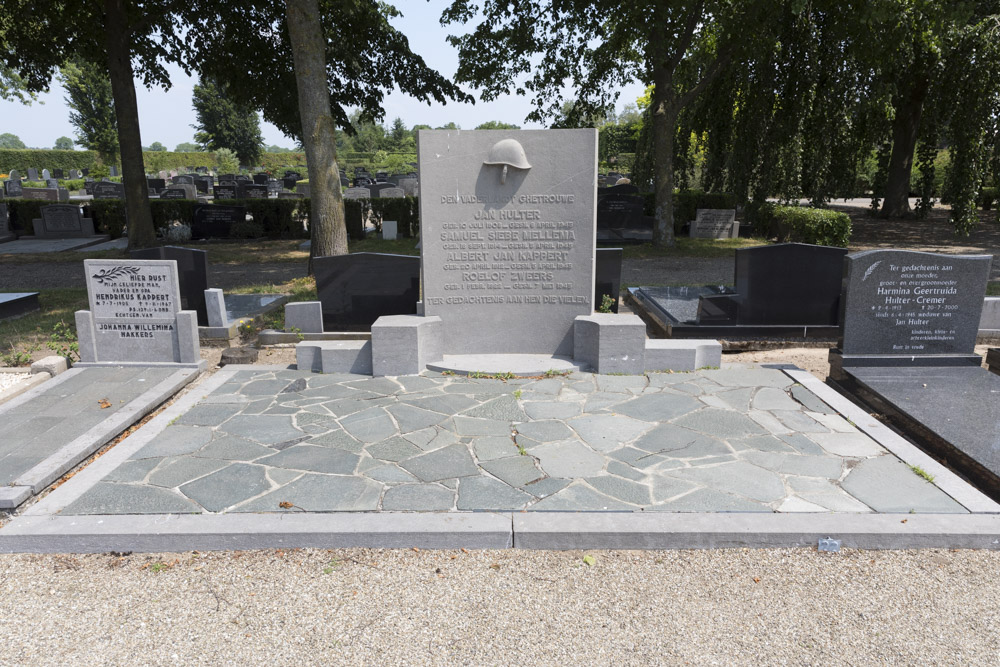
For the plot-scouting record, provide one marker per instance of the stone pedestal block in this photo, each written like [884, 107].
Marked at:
[405, 344]
[335, 356]
[304, 316]
[215, 307]
[610, 343]
[684, 354]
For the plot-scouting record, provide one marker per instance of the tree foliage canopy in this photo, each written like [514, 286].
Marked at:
[222, 123]
[91, 107]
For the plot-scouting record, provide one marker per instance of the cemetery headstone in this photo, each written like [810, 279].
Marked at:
[43, 194]
[62, 221]
[14, 175]
[178, 192]
[52, 183]
[623, 189]
[619, 212]
[391, 193]
[251, 191]
[57, 173]
[713, 223]
[260, 179]
[114, 171]
[912, 304]
[227, 177]
[357, 193]
[242, 178]
[192, 272]
[225, 191]
[357, 289]
[75, 175]
[389, 229]
[135, 314]
[13, 187]
[89, 187]
[109, 190]
[213, 221]
[183, 179]
[289, 182]
[155, 185]
[46, 175]
[273, 186]
[5, 233]
[202, 184]
[32, 174]
[85, 172]
[608, 276]
[409, 186]
[508, 228]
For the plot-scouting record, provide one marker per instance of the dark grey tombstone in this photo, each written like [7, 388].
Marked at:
[251, 191]
[57, 173]
[14, 175]
[225, 191]
[5, 233]
[242, 178]
[85, 172]
[619, 212]
[273, 186]
[345, 182]
[62, 221]
[183, 179]
[173, 193]
[289, 182]
[16, 304]
[377, 188]
[227, 177]
[51, 183]
[114, 170]
[13, 188]
[260, 179]
[43, 194]
[381, 177]
[608, 276]
[89, 187]
[357, 170]
[74, 174]
[32, 174]
[912, 305]
[155, 185]
[201, 170]
[192, 273]
[109, 190]
[623, 189]
[357, 289]
[202, 184]
[783, 284]
[211, 221]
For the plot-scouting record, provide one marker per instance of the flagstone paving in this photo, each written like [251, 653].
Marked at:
[729, 440]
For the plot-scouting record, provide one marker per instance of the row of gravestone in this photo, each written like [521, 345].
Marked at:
[621, 217]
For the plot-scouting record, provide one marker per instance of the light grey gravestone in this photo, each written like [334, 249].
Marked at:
[912, 304]
[32, 174]
[43, 194]
[62, 221]
[508, 231]
[135, 314]
[357, 193]
[391, 193]
[45, 175]
[74, 175]
[714, 223]
[409, 186]
[389, 230]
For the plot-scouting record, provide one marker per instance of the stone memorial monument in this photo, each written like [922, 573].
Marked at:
[711, 223]
[135, 316]
[62, 221]
[5, 233]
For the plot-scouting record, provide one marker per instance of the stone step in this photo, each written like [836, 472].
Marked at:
[335, 356]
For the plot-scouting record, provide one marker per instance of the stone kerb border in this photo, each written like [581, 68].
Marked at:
[40, 529]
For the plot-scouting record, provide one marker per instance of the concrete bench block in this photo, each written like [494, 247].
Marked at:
[610, 343]
[675, 354]
[405, 344]
[304, 316]
[335, 356]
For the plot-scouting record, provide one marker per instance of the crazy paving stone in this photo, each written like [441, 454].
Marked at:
[602, 402]
[393, 449]
[109, 498]
[453, 461]
[720, 423]
[551, 409]
[492, 447]
[514, 470]
[227, 487]
[797, 464]
[709, 500]
[607, 432]
[176, 441]
[371, 425]
[209, 414]
[664, 488]
[380, 386]
[390, 474]
[483, 493]
[314, 459]
[680, 442]
[771, 398]
[580, 498]
[657, 407]
[545, 431]
[624, 470]
[622, 489]
[826, 493]
[320, 493]
[474, 426]
[765, 443]
[410, 418]
[281, 446]
[183, 470]
[418, 497]
[886, 484]
[281, 476]
[571, 459]
[810, 401]
[338, 439]
[847, 444]
[621, 384]
[263, 387]
[446, 404]
[501, 408]
[132, 471]
[350, 406]
[750, 377]
[737, 399]
[799, 421]
[429, 439]
[794, 504]
[545, 487]
[739, 478]
[296, 385]
[265, 429]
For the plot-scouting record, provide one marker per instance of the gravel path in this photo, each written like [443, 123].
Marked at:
[8, 380]
[729, 607]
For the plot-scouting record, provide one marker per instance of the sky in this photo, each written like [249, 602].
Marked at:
[167, 116]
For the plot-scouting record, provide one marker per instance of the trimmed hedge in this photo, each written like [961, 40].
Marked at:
[21, 159]
[800, 224]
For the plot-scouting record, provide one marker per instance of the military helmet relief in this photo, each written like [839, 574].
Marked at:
[507, 153]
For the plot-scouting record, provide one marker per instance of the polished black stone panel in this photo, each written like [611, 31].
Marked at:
[192, 272]
[357, 289]
[608, 276]
[950, 411]
[623, 189]
[620, 219]
[212, 221]
[15, 304]
[784, 284]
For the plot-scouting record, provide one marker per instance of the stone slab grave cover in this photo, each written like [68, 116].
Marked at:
[211, 221]
[357, 289]
[192, 272]
[508, 228]
[16, 304]
[912, 305]
[62, 221]
[135, 314]
[712, 223]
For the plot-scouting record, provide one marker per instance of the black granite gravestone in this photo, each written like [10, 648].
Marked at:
[251, 191]
[109, 190]
[623, 189]
[192, 274]
[357, 289]
[85, 172]
[242, 178]
[225, 191]
[784, 284]
[289, 182]
[89, 187]
[260, 179]
[173, 193]
[211, 221]
[227, 177]
[16, 304]
[57, 174]
[13, 188]
[616, 212]
[183, 179]
[155, 185]
[202, 184]
[608, 276]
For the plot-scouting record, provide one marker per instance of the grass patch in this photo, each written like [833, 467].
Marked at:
[299, 289]
[401, 246]
[920, 472]
[687, 247]
[993, 288]
[29, 337]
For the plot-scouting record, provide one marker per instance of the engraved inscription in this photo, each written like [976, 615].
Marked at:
[918, 301]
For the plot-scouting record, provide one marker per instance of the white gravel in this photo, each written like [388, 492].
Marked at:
[724, 607]
[8, 380]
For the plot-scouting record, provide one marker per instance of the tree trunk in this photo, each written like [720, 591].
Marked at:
[326, 215]
[905, 130]
[664, 119]
[116, 32]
